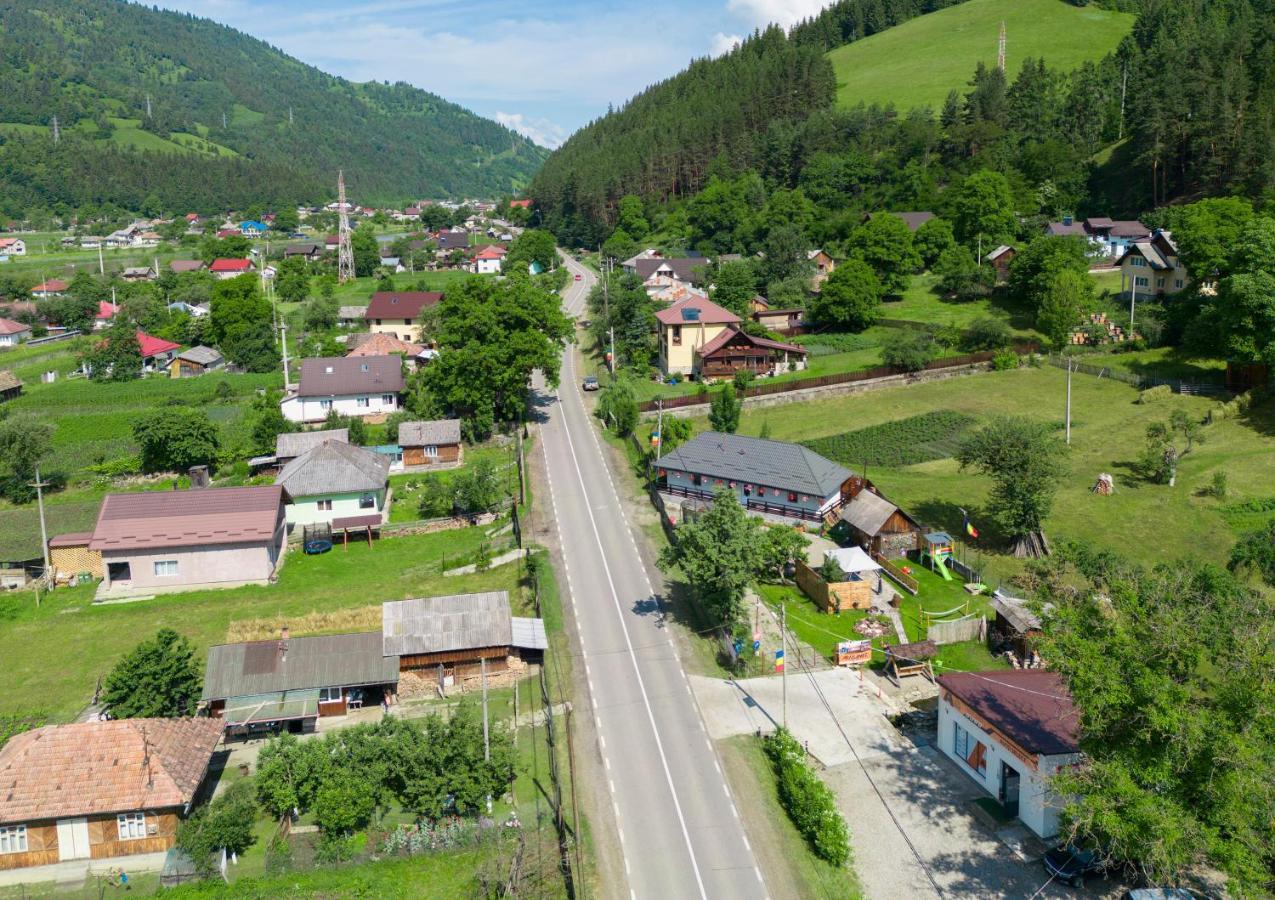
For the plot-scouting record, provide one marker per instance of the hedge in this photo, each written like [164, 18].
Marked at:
[810, 805]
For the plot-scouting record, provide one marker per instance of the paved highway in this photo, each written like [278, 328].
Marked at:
[680, 831]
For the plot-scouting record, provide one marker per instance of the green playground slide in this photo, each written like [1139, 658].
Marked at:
[938, 566]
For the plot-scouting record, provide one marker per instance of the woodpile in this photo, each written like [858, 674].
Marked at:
[1032, 546]
[1105, 485]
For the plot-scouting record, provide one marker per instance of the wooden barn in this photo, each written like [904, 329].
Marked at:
[69, 555]
[877, 525]
[432, 443]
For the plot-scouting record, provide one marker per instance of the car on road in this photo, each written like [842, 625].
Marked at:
[590, 383]
[1072, 865]
[577, 277]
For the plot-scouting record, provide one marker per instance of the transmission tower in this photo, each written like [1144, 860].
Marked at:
[344, 252]
[1000, 50]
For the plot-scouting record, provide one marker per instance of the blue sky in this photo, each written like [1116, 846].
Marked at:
[543, 68]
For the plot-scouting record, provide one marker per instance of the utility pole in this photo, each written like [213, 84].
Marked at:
[287, 376]
[606, 305]
[223, 121]
[344, 251]
[148, 105]
[57, 135]
[659, 428]
[1124, 87]
[1133, 302]
[482, 664]
[290, 115]
[1069, 367]
[1000, 49]
[39, 486]
[783, 655]
[101, 263]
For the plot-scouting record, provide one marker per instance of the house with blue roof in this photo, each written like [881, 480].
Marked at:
[253, 229]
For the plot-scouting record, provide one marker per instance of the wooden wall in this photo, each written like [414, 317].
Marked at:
[415, 456]
[104, 842]
[836, 596]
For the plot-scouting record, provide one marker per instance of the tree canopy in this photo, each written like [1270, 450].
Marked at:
[159, 678]
[174, 438]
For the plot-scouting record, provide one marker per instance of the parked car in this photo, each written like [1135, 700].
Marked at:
[577, 277]
[1072, 864]
[590, 383]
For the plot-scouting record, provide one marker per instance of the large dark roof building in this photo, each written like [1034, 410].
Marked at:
[336, 376]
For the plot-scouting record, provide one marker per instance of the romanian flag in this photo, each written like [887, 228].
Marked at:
[969, 526]
[779, 660]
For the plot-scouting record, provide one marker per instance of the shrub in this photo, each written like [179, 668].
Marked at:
[1217, 487]
[987, 333]
[1005, 360]
[810, 805]
[908, 350]
[1155, 394]
[117, 467]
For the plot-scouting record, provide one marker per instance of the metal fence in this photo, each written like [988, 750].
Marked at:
[1208, 387]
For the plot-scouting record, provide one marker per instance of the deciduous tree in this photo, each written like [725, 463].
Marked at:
[885, 243]
[718, 553]
[159, 678]
[984, 207]
[850, 298]
[174, 438]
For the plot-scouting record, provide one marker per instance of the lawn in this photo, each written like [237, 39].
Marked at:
[53, 654]
[921, 304]
[1108, 433]
[359, 291]
[1165, 362]
[404, 508]
[918, 62]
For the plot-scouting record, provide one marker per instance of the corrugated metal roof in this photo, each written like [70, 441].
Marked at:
[433, 433]
[203, 356]
[195, 518]
[261, 667]
[289, 446]
[272, 707]
[334, 468]
[528, 634]
[735, 457]
[440, 624]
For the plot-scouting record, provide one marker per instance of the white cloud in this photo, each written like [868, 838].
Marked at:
[787, 13]
[541, 131]
[724, 43]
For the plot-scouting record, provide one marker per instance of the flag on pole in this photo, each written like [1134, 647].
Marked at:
[969, 526]
[779, 660]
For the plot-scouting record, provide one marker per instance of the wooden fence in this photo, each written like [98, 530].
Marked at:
[801, 384]
[960, 630]
[833, 597]
[903, 579]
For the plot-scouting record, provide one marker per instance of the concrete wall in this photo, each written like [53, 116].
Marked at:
[305, 510]
[312, 409]
[1038, 806]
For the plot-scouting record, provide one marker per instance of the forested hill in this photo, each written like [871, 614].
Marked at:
[166, 109]
[1184, 107]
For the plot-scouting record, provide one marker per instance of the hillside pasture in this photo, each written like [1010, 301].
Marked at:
[918, 62]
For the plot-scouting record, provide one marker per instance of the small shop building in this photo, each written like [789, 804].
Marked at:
[1010, 731]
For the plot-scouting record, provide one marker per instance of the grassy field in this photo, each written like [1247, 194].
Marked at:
[86, 640]
[918, 62]
[921, 304]
[1108, 433]
[1166, 362]
[359, 291]
[406, 502]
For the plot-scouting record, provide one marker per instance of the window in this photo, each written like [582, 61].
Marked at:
[792, 496]
[325, 404]
[378, 321]
[1159, 282]
[1177, 283]
[971, 751]
[407, 321]
[1137, 261]
[131, 825]
[13, 839]
[165, 567]
[1141, 281]
[677, 334]
[325, 505]
[367, 501]
[387, 399]
[331, 695]
[430, 450]
[364, 402]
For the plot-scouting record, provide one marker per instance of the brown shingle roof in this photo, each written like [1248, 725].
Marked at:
[153, 519]
[92, 768]
[400, 304]
[694, 310]
[382, 344]
[728, 334]
[339, 376]
[8, 381]
[1030, 707]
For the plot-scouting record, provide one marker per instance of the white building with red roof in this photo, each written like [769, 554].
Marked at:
[13, 333]
[230, 268]
[488, 260]
[54, 287]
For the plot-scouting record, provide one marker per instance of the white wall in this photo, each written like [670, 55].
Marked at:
[312, 409]
[1038, 806]
[305, 510]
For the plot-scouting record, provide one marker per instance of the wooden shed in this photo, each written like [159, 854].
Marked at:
[69, 555]
[878, 525]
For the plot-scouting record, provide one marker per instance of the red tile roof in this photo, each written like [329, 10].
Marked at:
[230, 265]
[491, 251]
[694, 310]
[400, 304]
[8, 326]
[156, 519]
[382, 344]
[71, 539]
[1031, 707]
[153, 346]
[52, 286]
[106, 309]
[525, 204]
[95, 768]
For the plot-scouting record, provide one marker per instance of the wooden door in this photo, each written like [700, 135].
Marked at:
[73, 838]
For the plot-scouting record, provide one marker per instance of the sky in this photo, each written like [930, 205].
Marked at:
[542, 67]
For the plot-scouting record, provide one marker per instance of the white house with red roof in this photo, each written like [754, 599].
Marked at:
[488, 260]
[230, 268]
[157, 353]
[13, 247]
[106, 311]
[54, 287]
[13, 333]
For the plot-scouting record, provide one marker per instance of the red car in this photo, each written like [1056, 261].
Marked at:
[577, 278]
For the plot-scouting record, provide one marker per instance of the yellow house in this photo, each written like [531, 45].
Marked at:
[686, 326]
[1151, 268]
[398, 313]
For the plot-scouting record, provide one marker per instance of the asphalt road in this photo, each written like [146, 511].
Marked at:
[680, 831]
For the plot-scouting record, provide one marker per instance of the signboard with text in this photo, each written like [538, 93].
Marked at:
[854, 653]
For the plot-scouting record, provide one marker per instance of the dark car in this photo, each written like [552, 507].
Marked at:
[590, 383]
[1072, 865]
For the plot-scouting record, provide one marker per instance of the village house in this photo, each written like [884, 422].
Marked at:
[767, 477]
[351, 316]
[780, 321]
[432, 443]
[164, 541]
[106, 311]
[824, 265]
[13, 247]
[1010, 731]
[310, 252]
[194, 310]
[253, 228]
[1151, 267]
[735, 350]
[488, 260]
[54, 287]
[99, 790]
[659, 271]
[334, 480]
[447, 644]
[452, 240]
[999, 259]
[223, 269]
[138, 273]
[157, 353]
[287, 684]
[686, 326]
[10, 386]
[180, 266]
[290, 445]
[352, 386]
[382, 344]
[196, 361]
[398, 313]
[13, 333]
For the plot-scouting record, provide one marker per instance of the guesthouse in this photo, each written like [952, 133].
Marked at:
[1151, 267]
[398, 313]
[685, 327]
